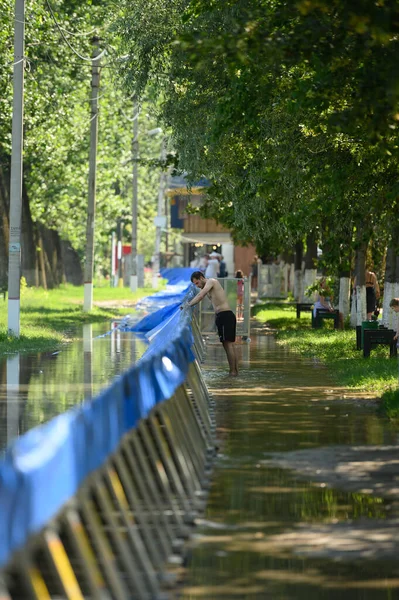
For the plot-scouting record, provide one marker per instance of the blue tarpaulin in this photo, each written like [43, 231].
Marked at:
[177, 275]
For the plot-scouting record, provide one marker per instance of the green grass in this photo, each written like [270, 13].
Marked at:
[336, 349]
[390, 403]
[48, 318]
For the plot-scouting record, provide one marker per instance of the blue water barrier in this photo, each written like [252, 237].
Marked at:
[45, 467]
[177, 275]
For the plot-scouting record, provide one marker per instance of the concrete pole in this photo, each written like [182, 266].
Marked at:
[14, 249]
[91, 210]
[158, 231]
[113, 259]
[135, 155]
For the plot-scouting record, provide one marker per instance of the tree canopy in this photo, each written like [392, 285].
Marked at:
[290, 109]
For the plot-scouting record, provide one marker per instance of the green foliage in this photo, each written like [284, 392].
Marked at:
[57, 126]
[390, 403]
[272, 101]
[323, 286]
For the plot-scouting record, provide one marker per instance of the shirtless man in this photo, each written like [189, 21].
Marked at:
[225, 318]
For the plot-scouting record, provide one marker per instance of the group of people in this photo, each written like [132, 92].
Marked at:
[323, 300]
[212, 265]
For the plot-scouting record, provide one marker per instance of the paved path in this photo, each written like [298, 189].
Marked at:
[285, 519]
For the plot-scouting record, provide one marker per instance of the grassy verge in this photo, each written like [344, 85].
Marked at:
[48, 317]
[337, 350]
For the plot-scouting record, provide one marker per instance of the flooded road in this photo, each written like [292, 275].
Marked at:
[277, 525]
[35, 388]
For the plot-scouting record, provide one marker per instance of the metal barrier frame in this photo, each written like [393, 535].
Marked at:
[124, 530]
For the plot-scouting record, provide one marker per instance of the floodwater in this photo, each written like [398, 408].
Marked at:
[275, 526]
[35, 388]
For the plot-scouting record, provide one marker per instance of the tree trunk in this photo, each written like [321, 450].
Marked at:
[73, 272]
[360, 273]
[298, 284]
[28, 246]
[42, 272]
[310, 274]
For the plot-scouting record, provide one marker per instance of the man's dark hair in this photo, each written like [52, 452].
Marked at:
[197, 275]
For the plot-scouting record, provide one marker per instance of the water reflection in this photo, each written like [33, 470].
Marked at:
[37, 387]
[269, 533]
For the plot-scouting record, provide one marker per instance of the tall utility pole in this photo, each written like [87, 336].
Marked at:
[135, 155]
[14, 248]
[91, 211]
[159, 219]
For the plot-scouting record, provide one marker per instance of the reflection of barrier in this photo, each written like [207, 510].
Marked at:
[240, 307]
[97, 502]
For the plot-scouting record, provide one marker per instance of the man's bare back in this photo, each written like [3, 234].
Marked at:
[211, 288]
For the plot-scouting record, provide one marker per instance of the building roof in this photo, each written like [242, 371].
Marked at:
[180, 182]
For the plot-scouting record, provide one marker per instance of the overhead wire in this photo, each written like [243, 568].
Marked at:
[88, 59]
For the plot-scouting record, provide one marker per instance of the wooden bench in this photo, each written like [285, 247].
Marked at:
[374, 337]
[303, 307]
[321, 314]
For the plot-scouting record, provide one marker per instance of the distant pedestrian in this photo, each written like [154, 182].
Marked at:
[394, 304]
[240, 294]
[372, 292]
[222, 268]
[254, 273]
[212, 268]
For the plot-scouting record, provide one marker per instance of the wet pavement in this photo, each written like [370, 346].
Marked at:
[293, 512]
[34, 388]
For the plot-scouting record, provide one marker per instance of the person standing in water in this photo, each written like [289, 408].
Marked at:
[225, 318]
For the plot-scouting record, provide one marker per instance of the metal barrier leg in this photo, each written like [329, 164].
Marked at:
[184, 455]
[151, 498]
[160, 448]
[66, 580]
[147, 528]
[134, 535]
[198, 337]
[192, 433]
[27, 581]
[172, 453]
[201, 400]
[118, 538]
[83, 552]
[190, 417]
[105, 555]
[164, 468]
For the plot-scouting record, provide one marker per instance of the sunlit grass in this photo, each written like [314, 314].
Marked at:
[336, 349]
[48, 317]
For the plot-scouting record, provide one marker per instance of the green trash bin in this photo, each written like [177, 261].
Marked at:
[368, 325]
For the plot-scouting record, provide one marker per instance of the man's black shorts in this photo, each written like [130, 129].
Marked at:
[226, 324]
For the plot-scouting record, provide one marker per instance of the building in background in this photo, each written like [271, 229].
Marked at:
[201, 236]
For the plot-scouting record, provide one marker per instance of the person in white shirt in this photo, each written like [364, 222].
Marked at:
[212, 269]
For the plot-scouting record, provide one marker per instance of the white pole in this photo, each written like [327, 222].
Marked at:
[158, 231]
[14, 249]
[91, 210]
[135, 155]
